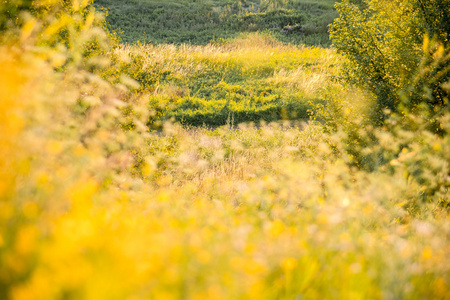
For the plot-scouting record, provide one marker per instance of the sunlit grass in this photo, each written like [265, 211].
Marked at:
[94, 205]
[249, 79]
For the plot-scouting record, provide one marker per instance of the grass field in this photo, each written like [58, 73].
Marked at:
[103, 197]
[200, 22]
[250, 79]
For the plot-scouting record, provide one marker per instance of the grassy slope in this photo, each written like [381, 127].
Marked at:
[239, 76]
[199, 22]
[250, 79]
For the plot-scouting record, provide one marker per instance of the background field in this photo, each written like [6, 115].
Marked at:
[253, 78]
[200, 22]
[246, 73]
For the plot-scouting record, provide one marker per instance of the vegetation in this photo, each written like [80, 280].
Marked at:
[402, 56]
[250, 79]
[97, 201]
[200, 22]
[385, 46]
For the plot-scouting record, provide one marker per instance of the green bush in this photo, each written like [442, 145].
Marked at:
[384, 45]
[401, 54]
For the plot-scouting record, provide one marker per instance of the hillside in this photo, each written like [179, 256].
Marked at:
[200, 22]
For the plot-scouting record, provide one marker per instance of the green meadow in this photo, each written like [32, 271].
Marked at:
[252, 78]
[272, 149]
[216, 63]
[201, 22]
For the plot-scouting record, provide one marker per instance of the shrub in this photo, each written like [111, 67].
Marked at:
[399, 51]
[384, 42]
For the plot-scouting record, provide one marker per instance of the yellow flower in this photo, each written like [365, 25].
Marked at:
[26, 239]
[27, 29]
[427, 253]
[276, 228]
[54, 147]
[289, 264]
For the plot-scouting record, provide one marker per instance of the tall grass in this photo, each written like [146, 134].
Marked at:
[249, 79]
[94, 206]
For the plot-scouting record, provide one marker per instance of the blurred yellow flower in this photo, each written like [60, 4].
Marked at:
[163, 197]
[276, 228]
[26, 239]
[427, 253]
[30, 210]
[289, 264]
[27, 29]
[54, 147]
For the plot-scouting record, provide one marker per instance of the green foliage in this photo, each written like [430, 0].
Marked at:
[384, 45]
[435, 19]
[9, 12]
[298, 22]
[68, 34]
[398, 51]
